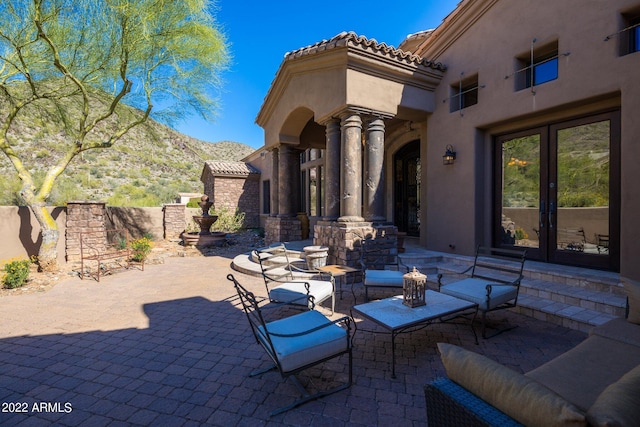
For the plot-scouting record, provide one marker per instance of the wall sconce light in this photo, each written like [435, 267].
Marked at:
[449, 156]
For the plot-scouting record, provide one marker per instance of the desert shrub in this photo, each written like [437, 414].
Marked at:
[227, 221]
[16, 273]
[141, 248]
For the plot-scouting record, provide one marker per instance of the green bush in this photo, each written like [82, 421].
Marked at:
[16, 272]
[141, 248]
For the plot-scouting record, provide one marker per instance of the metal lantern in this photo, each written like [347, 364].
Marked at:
[414, 286]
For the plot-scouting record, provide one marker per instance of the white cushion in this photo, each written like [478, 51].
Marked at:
[298, 351]
[474, 290]
[295, 292]
[386, 278]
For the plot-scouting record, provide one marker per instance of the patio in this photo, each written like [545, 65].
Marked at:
[170, 346]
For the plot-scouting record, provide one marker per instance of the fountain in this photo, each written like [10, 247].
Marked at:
[205, 237]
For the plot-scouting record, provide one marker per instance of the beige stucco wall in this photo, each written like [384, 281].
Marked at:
[591, 78]
[19, 232]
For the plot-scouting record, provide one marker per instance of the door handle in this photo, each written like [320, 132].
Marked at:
[551, 212]
[542, 213]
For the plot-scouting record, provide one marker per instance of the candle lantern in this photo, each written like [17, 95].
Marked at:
[414, 286]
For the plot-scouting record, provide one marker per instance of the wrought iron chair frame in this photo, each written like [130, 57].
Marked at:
[264, 337]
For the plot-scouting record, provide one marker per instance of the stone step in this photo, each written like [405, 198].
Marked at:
[570, 316]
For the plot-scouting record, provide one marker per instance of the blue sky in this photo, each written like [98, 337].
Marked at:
[261, 32]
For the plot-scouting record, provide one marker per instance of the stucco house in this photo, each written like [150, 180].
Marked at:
[510, 124]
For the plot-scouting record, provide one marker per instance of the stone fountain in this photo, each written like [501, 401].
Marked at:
[205, 237]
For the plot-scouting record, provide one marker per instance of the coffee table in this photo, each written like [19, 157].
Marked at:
[394, 316]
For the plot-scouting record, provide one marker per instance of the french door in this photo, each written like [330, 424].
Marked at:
[407, 189]
[557, 190]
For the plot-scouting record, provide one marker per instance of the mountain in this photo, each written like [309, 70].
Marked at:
[149, 166]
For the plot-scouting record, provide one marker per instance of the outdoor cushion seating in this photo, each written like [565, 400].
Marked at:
[596, 383]
[278, 274]
[494, 283]
[381, 266]
[298, 342]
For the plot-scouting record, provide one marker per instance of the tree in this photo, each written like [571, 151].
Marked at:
[88, 71]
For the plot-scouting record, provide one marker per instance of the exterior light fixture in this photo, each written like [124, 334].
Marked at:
[449, 156]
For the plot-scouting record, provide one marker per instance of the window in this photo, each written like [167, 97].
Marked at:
[464, 94]
[538, 67]
[630, 35]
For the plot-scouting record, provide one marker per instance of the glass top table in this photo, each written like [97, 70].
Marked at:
[393, 315]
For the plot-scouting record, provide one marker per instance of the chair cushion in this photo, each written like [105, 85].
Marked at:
[301, 350]
[383, 278]
[295, 292]
[518, 396]
[474, 290]
[618, 403]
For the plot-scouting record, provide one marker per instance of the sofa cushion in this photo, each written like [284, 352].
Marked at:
[618, 406]
[632, 288]
[620, 330]
[582, 373]
[522, 398]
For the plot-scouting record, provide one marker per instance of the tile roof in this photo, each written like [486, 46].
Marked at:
[223, 167]
[352, 39]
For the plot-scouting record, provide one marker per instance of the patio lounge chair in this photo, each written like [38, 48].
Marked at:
[381, 267]
[298, 342]
[277, 272]
[494, 283]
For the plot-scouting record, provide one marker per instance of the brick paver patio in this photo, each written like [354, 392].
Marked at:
[170, 346]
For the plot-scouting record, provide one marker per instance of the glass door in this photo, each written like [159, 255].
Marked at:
[559, 192]
[407, 189]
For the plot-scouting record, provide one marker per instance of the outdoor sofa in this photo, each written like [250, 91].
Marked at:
[596, 383]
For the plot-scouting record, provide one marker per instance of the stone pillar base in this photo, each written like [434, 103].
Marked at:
[282, 229]
[343, 239]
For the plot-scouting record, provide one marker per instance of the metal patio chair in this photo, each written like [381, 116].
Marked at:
[298, 342]
[494, 284]
[381, 267]
[277, 272]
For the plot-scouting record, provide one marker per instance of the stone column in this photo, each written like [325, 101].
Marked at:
[351, 168]
[274, 186]
[374, 171]
[332, 171]
[83, 217]
[174, 221]
[285, 177]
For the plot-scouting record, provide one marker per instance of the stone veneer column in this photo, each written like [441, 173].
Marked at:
[351, 168]
[174, 221]
[332, 171]
[274, 186]
[82, 217]
[374, 171]
[285, 194]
